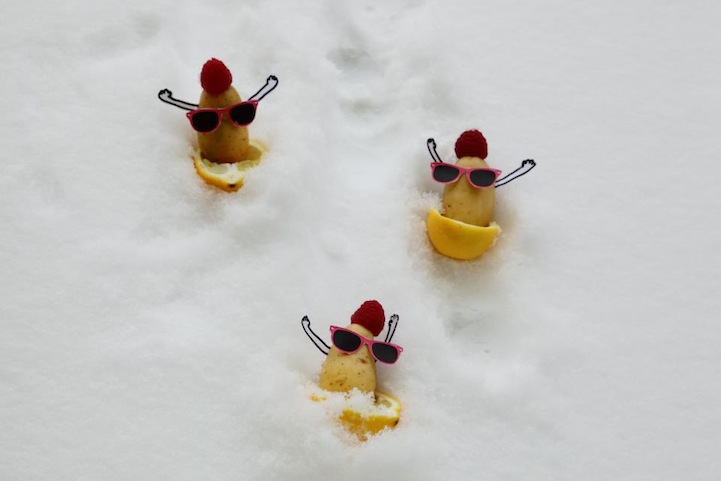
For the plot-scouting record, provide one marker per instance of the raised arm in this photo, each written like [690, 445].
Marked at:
[431, 144]
[305, 322]
[270, 84]
[167, 96]
[526, 166]
[392, 324]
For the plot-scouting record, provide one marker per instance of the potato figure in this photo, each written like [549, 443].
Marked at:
[221, 117]
[350, 369]
[466, 229]
[351, 359]
[469, 193]
[228, 142]
[463, 200]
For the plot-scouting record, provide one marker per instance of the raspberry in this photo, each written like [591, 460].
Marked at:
[471, 143]
[215, 77]
[371, 316]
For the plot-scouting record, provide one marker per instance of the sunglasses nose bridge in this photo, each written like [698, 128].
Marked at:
[364, 343]
[467, 175]
[224, 115]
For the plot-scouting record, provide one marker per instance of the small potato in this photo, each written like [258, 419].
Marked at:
[465, 203]
[230, 142]
[342, 372]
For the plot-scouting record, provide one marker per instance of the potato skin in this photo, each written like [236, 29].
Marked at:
[229, 143]
[342, 372]
[465, 203]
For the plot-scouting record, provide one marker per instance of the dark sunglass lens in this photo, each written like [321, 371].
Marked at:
[483, 178]
[346, 341]
[445, 173]
[243, 114]
[385, 352]
[205, 121]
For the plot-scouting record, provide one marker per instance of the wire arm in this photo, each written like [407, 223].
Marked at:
[314, 338]
[270, 84]
[392, 325]
[431, 144]
[166, 96]
[526, 166]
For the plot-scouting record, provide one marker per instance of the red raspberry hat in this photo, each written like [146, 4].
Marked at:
[371, 316]
[471, 143]
[215, 77]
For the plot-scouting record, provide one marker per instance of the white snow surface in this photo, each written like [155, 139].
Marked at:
[150, 324]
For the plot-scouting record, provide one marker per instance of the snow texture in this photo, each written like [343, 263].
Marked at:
[150, 324]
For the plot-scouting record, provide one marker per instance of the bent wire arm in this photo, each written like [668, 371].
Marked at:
[392, 324]
[167, 96]
[270, 84]
[431, 144]
[305, 322]
[526, 166]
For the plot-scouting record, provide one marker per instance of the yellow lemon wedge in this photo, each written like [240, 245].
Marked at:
[362, 414]
[385, 413]
[228, 177]
[459, 240]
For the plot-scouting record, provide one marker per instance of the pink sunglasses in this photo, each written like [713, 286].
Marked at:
[480, 178]
[208, 120]
[349, 342]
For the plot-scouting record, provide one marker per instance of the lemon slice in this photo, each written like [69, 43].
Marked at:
[457, 239]
[385, 413]
[360, 413]
[228, 177]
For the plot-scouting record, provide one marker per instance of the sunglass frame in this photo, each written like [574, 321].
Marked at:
[220, 112]
[365, 341]
[464, 171]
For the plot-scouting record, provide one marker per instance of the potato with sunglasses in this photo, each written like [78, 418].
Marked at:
[220, 139]
[221, 118]
[350, 361]
[349, 369]
[466, 228]
[468, 195]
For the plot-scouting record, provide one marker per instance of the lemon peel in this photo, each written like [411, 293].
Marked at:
[459, 240]
[228, 177]
[362, 414]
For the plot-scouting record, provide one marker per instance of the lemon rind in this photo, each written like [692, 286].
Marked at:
[459, 240]
[362, 424]
[230, 176]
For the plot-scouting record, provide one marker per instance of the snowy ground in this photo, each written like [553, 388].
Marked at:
[150, 325]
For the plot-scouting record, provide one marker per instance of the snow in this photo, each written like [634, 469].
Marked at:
[150, 325]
